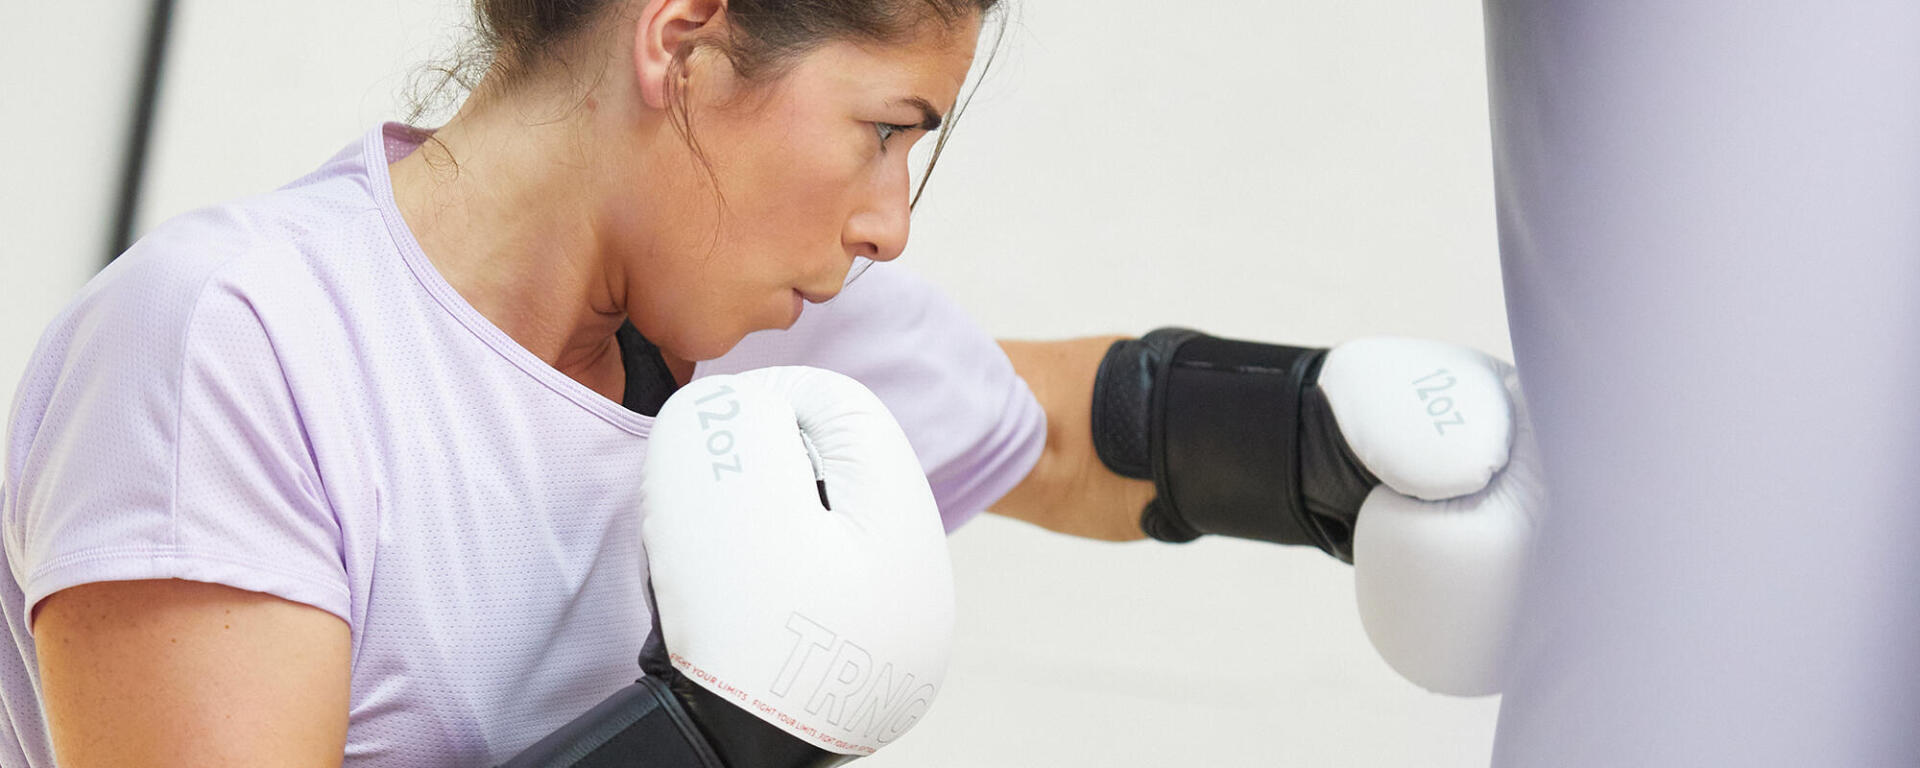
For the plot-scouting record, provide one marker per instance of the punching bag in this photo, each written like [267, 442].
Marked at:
[1710, 233]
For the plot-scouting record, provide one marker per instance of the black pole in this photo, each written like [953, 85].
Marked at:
[134, 163]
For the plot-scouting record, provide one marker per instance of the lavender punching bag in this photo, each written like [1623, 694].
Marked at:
[1710, 228]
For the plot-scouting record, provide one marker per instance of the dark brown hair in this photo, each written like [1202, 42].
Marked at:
[517, 39]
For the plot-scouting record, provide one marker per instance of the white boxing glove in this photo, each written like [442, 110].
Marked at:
[1431, 420]
[1437, 573]
[832, 622]
[1420, 445]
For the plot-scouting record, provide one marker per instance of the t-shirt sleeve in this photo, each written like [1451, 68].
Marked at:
[977, 428]
[157, 437]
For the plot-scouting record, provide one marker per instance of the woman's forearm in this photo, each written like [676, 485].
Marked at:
[1069, 490]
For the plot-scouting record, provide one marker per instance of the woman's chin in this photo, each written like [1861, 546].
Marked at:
[713, 340]
[705, 347]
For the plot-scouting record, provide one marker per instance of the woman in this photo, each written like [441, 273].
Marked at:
[349, 468]
[344, 468]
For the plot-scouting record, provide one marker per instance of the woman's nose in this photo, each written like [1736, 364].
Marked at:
[878, 229]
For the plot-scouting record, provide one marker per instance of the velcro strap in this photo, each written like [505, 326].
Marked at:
[1226, 438]
[1236, 436]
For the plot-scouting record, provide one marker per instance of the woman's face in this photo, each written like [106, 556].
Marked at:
[811, 173]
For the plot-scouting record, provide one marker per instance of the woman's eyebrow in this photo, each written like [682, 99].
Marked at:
[930, 117]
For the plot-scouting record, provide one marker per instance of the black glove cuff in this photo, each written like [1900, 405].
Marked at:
[669, 721]
[743, 740]
[642, 724]
[740, 739]
[1217, 425]
[1123, 400]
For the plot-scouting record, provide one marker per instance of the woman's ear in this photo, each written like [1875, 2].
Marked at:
[661, 33]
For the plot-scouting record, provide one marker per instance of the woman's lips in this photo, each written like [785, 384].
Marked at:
[802, 298]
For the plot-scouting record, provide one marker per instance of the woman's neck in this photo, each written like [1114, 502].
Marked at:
[506, 212]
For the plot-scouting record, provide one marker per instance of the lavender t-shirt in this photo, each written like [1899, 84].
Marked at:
[282, 395]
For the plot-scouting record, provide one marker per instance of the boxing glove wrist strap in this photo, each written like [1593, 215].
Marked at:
[742, 740]
[641, 724]
[668, 722]
[1235, 436]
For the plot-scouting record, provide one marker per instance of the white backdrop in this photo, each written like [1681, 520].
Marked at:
[1300, 171]
[66, 94]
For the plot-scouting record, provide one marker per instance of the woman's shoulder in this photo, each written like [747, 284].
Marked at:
[292, 246]
[199, 281]
[155, 290]
[285, 241]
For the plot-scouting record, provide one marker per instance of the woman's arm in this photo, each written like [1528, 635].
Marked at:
[1069, 490]
[183, 673]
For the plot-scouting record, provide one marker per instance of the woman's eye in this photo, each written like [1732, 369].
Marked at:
[887, 130]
